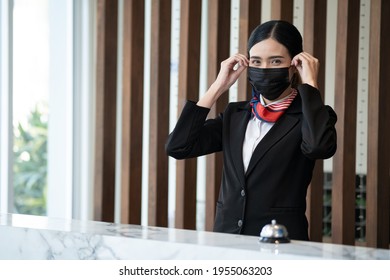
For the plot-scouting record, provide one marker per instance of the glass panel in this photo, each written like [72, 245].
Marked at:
[30, 99]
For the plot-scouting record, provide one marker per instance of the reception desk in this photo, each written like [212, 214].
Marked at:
[40, 238]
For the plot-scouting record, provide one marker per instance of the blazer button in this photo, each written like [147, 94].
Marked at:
[239, 223]
[242, 193]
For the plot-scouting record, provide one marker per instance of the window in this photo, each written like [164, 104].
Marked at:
[47, 85]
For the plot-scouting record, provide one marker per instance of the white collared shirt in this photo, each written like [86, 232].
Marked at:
[255, 131]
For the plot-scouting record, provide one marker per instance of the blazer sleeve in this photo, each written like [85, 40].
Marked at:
[319, 137]
[193, 135]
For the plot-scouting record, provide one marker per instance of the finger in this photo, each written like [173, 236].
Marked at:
[305, 57]
[296, 61]
[232, 61]
[241, 62]
[242, 59]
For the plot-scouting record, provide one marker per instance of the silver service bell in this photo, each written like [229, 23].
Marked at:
[274, 233]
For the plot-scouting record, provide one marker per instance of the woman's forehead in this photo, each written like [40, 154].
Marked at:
[268, 48]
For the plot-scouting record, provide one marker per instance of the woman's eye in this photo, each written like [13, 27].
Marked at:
[256, 62]
[276, 61]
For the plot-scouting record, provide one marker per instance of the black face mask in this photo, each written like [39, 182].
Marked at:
[269, 82]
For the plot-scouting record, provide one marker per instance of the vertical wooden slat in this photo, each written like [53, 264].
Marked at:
[190, 18]
[159, 112]
[378, 161]
[282, 9]
[250, 15]
[314, 42]
[343, 190]
[218, 50]
[106, 73]
[132, 111]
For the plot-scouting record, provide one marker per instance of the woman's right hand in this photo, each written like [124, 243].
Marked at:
[231, 69]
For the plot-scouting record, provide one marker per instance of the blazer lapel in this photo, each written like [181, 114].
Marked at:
[279, 130]
[238, 126]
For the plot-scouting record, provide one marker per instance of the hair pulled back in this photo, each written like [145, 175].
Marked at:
[282, 31]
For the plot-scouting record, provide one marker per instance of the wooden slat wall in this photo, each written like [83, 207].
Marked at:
[132, 110]
[314, 42]
[343, 194]
[159, 112]
[106, 77]
[218, 50]
[343, 190]
[250, 15]
[186, 170]
[378, 162]
[282, 9]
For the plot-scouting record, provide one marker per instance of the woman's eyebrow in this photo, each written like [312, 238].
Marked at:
[271, 57]
[276, 56]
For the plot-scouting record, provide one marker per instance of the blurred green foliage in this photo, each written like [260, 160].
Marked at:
[30, 164]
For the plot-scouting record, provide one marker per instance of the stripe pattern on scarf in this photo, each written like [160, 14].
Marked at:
[274, 111]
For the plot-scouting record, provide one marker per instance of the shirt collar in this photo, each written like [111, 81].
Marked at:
[274, 102]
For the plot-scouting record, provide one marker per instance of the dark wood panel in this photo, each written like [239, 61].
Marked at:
[106, 74]
[218, 50]
[159, 112]
[132, 111]
[343, 189]
[314, 42]
[185, 214]
[378, 161]
[190, 27]
[282, 9]
[250, 15]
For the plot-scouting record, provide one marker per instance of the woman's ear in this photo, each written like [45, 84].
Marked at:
[295, 79]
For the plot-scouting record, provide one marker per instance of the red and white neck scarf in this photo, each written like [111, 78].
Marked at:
[272, 112]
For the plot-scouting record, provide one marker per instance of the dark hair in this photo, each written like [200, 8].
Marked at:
[282, 31]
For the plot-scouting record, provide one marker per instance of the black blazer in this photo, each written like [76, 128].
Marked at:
[280, 170]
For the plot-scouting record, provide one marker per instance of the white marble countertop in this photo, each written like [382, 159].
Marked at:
[35, 237]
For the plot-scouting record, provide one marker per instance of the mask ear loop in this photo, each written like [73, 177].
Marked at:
[295, 79]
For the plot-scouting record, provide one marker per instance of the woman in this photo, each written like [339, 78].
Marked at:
[269, 144]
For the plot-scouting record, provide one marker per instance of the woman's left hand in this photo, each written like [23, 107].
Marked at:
[307, 66]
